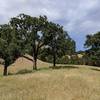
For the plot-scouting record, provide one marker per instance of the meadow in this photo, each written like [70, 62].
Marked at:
[72, 82]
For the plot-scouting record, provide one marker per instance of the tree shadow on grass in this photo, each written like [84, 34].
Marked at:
[26, 71]
[96, 69]
[23, 71]
[43, 69]
[57, 67]
[64, 67]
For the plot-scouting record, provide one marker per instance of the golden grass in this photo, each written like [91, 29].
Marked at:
[23, 63]
[79, 83]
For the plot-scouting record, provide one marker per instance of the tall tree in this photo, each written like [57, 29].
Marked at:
[65, 45]
[59, 39]
[93, 45]
[9, 50]
[33, 32]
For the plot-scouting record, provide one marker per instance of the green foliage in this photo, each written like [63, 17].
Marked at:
[33, 33]
[37, 33]
[60, 45]
[93, 53]
[10, 48]
[36, 36]
[5, 44]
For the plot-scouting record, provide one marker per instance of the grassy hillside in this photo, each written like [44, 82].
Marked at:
[24, 64]
[71, 83]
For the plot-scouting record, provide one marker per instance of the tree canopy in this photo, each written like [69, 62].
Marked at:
[27, 34]
[93, 45]
[9, 48]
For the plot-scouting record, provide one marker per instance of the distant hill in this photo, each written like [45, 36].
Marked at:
[24, 63]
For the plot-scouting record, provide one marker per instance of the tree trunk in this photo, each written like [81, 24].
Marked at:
[54, 60]
[34, 64]
[5, 71]
[35, 53]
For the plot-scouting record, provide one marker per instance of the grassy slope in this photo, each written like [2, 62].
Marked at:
[72, 83]
[23, 63]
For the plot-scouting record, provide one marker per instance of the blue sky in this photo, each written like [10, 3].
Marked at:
[79, 17]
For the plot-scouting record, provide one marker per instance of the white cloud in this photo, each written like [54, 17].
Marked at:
[77, 16]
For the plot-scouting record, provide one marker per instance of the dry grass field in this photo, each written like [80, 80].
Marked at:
[76, 82]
